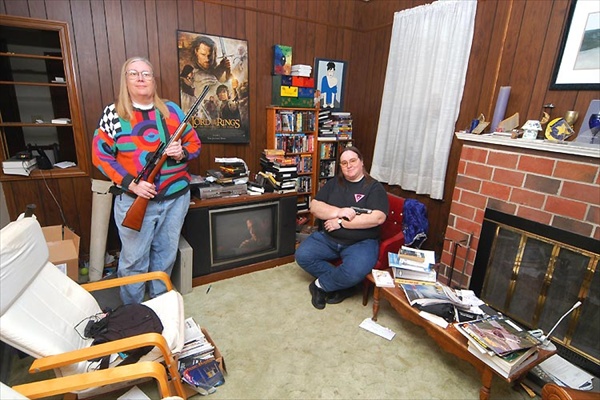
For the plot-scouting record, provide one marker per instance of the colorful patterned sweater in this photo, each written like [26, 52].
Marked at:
[120, 148]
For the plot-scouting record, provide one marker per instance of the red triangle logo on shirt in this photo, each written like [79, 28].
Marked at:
[358, 197]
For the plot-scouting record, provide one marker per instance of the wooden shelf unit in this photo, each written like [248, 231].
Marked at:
[328, 157]
[36, 63]
[307, 133]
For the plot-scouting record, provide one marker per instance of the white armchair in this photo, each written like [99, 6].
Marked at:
[40, 308]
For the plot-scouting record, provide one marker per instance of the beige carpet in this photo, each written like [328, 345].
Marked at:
[277, 346]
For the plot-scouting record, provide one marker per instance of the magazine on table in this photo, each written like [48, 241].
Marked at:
[383, 278]
[425, 294]
[499, 335]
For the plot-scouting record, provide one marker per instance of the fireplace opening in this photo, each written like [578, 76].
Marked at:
[534, 273]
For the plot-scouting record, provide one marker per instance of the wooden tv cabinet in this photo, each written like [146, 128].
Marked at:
[448, 339]
[221, 202]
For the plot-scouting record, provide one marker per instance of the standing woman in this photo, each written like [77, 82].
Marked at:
[128, 131]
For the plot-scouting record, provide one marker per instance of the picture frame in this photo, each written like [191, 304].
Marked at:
[330, 87]
[222, 64]
[578, 63]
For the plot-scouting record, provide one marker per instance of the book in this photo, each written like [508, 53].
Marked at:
[205, 375]
[407, 274]
[23, 171]
[502, 368]
[411, 254]
[382, 278]
[499, 334]
[397, 262]
[15, 162]
[61, 121]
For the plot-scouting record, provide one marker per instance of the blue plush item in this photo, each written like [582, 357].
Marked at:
[416, 224]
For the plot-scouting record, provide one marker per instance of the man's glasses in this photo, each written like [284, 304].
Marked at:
[132, 74]
[351, 161]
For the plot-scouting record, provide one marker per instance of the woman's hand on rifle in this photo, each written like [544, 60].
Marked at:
[143, 189]
[175, 151]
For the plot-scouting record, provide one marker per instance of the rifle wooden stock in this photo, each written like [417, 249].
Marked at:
[135, 215]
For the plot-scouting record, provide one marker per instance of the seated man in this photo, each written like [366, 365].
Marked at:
[345, 234]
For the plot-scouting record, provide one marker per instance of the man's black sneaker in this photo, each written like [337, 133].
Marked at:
[339, 295]
[318, 296]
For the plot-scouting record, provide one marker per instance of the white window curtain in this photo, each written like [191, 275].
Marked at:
[427, 65]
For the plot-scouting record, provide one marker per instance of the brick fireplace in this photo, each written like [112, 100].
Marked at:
[553, 184]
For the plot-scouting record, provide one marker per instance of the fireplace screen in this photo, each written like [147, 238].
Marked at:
[535, 273]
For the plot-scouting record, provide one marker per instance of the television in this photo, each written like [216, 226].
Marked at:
[237, 234]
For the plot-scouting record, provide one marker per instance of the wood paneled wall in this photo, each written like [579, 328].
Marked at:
[515, 44]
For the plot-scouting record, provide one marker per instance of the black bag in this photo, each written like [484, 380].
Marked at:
[122, 322]
[444, 310]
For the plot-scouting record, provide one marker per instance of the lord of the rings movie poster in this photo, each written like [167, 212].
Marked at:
[222, 64]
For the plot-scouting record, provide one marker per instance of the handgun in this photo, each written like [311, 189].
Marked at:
[360, 210]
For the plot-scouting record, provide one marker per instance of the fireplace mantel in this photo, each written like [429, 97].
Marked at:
[573, 148]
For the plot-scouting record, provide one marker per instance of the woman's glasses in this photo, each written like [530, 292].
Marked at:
[351, 161]
[132, 74]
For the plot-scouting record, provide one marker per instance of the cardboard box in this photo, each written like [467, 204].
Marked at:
[63, 245]
[218, 355]
[301, 102]
[289, 91]
[306, 92]
[303, 81]
[282, 80]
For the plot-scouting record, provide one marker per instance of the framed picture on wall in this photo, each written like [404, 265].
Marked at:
[222, 64]
[578, 63]
[330, 79]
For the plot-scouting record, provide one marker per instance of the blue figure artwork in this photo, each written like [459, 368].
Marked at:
[329, 87]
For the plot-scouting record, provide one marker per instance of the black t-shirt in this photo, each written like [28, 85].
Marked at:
[362, 194]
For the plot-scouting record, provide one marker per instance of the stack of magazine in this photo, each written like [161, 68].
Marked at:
[500, 343]
[413, 264]
[197, 364]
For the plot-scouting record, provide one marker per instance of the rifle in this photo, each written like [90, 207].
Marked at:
[135, 215]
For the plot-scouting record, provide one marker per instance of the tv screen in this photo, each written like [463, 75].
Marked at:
[243, 232]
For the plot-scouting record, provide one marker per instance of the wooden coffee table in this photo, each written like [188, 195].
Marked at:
[448, 339]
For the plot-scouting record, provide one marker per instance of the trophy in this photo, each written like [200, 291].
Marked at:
[571, 117]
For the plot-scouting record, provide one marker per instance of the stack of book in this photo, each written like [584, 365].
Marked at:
[326, 126]
[500, 343]
[342, 124]
[276, 183]
[230, 172]
[195, 347]
[19, 166]
[413, 264]
[301, 70]
[197, 363]
[279, 172]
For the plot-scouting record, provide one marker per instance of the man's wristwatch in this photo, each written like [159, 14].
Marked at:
[340, 220]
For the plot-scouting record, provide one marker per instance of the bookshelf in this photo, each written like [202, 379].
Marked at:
[335, 133]
[328, 157]
[294, 130]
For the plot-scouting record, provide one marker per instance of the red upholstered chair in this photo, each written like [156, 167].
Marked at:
[392, 238]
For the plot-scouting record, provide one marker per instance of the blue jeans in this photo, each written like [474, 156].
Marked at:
[154, 247]
[316, 253]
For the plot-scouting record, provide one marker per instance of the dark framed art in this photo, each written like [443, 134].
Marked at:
[578, 63]
[330, 79]
[222, 64]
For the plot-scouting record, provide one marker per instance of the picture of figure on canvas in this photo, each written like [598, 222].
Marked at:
[330, 76]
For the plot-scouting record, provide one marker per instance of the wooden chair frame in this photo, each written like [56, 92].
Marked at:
[148, 339]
